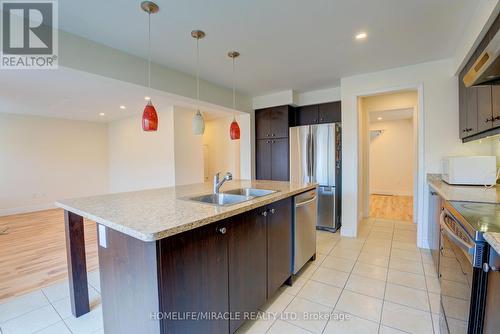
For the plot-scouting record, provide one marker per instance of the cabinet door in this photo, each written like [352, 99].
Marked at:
[279, 244]
[262, 129]
[247, 265]
[484, 110]
[462, 109]
[263, 159]
[193, 272]
[307, 115]
[278, 121]
[329, 112]
[495, 105]
[280, 164]
[471, 94]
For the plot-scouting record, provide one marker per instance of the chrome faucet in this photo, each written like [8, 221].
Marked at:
[218, 183]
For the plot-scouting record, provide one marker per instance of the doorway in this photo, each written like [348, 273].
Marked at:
[389, 155]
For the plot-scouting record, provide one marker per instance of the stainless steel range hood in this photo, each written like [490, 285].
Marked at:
[486, 69]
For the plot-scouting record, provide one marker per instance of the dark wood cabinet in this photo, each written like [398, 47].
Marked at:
[193, 277]
[280, 170]
[272, 122]
[330, 112]
[307, 115]
[272, 159]
[479, 105]
[279, 244]
[484, 110]
[247, 265]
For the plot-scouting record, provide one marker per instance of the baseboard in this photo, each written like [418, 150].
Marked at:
[390, 193]
[26, 209]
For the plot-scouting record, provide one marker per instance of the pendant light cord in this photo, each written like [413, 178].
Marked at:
[198, 73]
[149, 54]
[234, 87]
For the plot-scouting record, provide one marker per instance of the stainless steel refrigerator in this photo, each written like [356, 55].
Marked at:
[315, 156]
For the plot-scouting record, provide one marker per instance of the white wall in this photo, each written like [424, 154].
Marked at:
[391, 158]
[46, 159]
[223, 153]
[188, 149]
[440, 119]
[138, 159]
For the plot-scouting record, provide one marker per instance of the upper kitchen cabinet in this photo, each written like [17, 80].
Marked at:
[318, 113]
[272, 122]
[479, 105]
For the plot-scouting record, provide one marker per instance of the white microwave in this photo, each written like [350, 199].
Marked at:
[470, 170]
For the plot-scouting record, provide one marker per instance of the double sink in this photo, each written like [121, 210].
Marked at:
[231, 197]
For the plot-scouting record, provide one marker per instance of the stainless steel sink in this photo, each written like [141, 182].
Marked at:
[250, 192]
[231, 197]
[222, 199]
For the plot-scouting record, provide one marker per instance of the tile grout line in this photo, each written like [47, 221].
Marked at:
[385, 286]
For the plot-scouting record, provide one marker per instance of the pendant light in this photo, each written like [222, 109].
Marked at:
[198, 121]
[149, 116]
[234, 129]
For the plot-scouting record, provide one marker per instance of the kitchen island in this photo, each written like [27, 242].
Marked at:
[172, 265]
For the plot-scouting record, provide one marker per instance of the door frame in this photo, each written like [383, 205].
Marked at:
[419, 171]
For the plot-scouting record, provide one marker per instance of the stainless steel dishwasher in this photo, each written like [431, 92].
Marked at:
[304, 228]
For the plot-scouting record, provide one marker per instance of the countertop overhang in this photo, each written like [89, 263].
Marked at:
[154, 214]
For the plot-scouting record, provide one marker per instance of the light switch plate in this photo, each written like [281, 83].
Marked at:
[103, 242]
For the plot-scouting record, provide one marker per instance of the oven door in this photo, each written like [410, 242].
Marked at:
[455, 276]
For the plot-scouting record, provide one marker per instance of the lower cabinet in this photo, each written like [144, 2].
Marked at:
[279, 244]
[230, 267]
[193, 277]
[272, 159]
[247, 264]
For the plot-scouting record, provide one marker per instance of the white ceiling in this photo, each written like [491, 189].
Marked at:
[390, 115]
[71, 94]
[284, 44]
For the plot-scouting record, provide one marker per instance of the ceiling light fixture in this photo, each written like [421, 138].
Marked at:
[123, 107]
[234, 129]
[198, 123]
[147, 98]
[101, 114]
[379, 118]
[149, 116]
[361, 35]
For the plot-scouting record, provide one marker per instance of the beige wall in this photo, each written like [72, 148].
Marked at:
[138, 159]
[223, 154]
[392, 158]
[46, 159]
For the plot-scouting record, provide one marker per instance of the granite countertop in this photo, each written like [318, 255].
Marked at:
[154, 214]
[463, 193]
[493, 239]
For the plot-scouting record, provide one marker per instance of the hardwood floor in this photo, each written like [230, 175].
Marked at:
[33, 252]
[391, 207]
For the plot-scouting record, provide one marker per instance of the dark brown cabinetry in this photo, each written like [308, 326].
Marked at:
[479, 114]
[193, 277]
[271, 152]
[279, 244]
[247, 265]
[318, 113]
[272, 122]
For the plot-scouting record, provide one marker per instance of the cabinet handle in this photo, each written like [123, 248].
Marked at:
[321, 119]
[264, 213]
[274, 141]
[315, 120]
[496, 118]
[267, 135]
[273, 135]
[273, 211]
[489, 120]
[221, 230]
[268, 141]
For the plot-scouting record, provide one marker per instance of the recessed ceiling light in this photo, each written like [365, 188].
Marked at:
[101, 114]
[379, 118]
[123, 107]
[361, 35]
[147, 98]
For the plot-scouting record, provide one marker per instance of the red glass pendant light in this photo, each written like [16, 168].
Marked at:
[149, 115]
[234, 128]
[149, 118]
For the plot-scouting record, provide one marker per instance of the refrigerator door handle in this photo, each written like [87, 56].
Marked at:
[313, 157]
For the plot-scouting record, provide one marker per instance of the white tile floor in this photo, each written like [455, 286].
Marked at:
[380, 280]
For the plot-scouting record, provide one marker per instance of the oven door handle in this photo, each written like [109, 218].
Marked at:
[453, 237]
